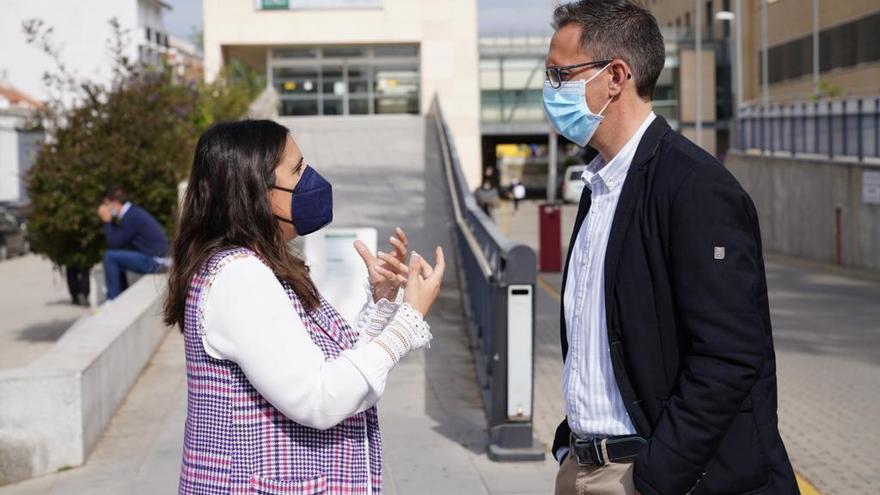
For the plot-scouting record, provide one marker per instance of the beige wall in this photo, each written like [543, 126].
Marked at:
[688, 86]
[446, 32]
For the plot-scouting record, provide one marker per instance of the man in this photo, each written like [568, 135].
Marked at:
[486, 197]
[136, 240]
[670, 379]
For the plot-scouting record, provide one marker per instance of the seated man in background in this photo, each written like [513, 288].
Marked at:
[135, 239]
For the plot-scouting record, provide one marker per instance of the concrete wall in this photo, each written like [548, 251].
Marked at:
[798, 200]
[445, 31]
[53, 412]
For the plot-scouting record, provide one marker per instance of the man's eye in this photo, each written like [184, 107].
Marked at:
[564, 74]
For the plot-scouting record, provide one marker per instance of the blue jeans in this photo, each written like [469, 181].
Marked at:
[117, 261]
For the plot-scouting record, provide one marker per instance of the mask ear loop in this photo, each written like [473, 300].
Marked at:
[594, 77]
[606, 106]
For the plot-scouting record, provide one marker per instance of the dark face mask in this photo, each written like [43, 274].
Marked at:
[311, 203]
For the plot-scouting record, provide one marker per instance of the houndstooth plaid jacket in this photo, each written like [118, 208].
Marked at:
[237, 443]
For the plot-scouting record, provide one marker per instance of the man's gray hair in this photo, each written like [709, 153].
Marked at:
[621, 29]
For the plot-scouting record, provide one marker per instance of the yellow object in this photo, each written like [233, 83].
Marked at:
[512, 150]
[289, 86]
[805, 486]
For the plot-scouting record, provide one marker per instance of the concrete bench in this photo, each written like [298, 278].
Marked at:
[53, 412]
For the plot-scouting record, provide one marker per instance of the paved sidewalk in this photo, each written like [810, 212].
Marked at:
[35, 309]
[433, 425]
[826, 325]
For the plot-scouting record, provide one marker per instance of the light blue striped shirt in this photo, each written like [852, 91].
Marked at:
[592, 399]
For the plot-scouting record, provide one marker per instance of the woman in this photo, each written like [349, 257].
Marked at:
[282, 391]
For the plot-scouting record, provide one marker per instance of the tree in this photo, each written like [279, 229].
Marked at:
[138, 131]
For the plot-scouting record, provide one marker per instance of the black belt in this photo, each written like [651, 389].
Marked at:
[602, 450]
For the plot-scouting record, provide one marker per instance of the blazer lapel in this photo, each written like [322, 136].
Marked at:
[626, 204]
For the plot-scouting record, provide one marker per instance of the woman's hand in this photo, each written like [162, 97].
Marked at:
[387, 272]
[424, 282]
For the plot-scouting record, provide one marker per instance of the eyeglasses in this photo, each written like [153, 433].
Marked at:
[556, 75]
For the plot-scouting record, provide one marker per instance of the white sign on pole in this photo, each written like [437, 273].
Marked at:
[337, 269]
[871, 187]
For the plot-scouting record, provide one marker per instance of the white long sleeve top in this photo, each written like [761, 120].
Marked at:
[249, 319]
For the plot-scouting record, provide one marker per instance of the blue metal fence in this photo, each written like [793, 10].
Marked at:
[497, 278]
[833, 128]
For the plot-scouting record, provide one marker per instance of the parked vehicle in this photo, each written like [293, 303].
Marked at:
[572, 185]
[13, 236]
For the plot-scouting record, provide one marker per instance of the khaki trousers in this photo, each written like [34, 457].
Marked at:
[614, 478]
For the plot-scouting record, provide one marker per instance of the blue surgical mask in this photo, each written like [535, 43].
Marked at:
[567, 109]
[311, 203]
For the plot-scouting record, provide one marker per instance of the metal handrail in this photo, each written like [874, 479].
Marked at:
[497, 277]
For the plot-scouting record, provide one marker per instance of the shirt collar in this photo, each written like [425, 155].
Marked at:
[124, 209]
[613, 172]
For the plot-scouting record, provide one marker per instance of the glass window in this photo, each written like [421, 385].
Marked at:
[294, 53]
[332, 82]
[359, 106]
[868, 30]
[333, 106]
[397, 80]
[396, 51]
[346, 82]
[345, 51]
[359, 80]
[299, 107]
[295, 80]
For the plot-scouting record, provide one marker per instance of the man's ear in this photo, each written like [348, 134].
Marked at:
[621, 75]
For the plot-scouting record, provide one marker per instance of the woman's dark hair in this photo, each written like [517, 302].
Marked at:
[226, 205]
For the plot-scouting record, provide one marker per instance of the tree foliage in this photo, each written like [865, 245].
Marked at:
[137, 131]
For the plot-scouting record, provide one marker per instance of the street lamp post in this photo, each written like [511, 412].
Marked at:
[698, 48]
[735, 48]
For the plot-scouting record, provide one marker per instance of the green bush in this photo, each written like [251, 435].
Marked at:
[137, 132]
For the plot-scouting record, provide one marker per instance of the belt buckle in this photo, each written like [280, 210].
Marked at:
[596, 444]
[600, 459]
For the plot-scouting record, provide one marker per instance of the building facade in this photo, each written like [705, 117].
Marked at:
[357, 57]
[81, 31]
[848, 38]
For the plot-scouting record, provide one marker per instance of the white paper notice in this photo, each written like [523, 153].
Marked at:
[337, 269]
[871, 187]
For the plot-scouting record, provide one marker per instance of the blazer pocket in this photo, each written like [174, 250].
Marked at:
[260, 485]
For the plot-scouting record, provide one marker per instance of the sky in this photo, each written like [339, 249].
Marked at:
[496, 17]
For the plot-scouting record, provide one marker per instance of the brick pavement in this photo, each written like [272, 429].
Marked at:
[826, 324]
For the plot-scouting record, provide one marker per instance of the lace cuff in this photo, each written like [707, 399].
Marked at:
[374, 316]
[407, 331]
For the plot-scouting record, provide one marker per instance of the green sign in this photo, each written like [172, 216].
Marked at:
[318, 4]
[275, 4]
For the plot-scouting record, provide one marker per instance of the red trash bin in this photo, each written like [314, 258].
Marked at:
[550, 234]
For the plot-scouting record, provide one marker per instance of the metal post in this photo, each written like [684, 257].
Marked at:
[859, 137]
[698, 48]
[804, 126]
[791, 131]
[765, 64]
[815, 47]
[738, 26]
[552, 163]
[830, 131]
[844, 129]
[816, 127]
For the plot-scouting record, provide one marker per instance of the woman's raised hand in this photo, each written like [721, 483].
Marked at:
[423, 284]
[387, 272]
